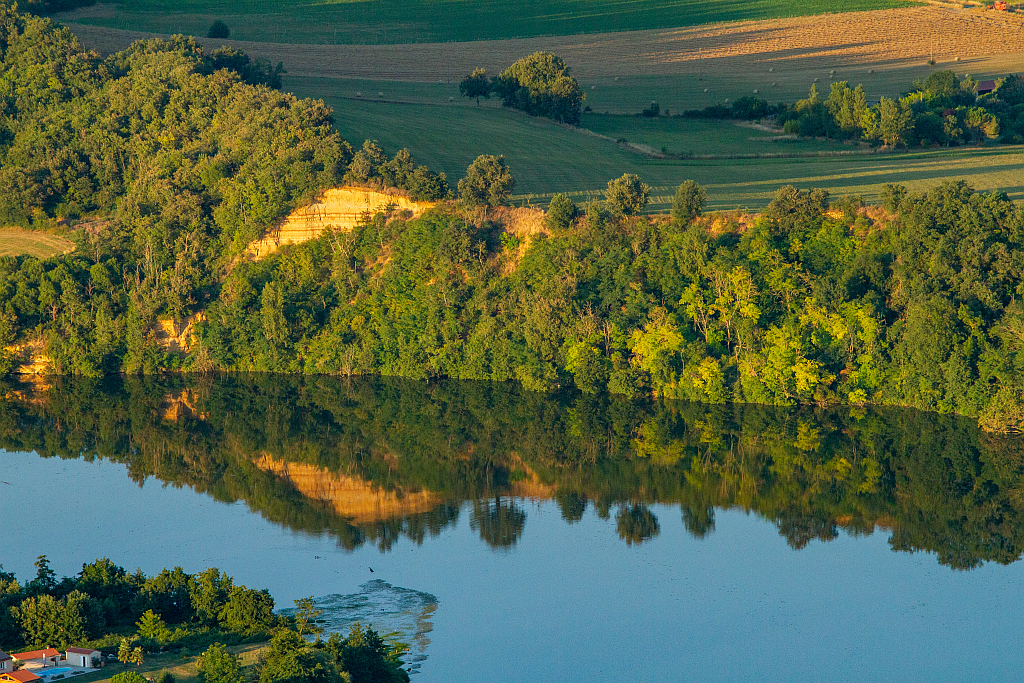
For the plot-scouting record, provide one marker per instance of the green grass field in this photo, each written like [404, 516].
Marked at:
[699, 137]
[410, 21]
[18, 241]
[547, 158]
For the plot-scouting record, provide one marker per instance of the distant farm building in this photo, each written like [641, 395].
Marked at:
[985, 87]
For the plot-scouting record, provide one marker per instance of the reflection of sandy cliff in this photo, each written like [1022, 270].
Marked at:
[350, 497]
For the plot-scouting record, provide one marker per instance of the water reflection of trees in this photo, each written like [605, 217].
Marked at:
[936, 482]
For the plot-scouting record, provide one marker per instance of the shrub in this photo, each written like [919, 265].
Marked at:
[218, 29]
[561, 212]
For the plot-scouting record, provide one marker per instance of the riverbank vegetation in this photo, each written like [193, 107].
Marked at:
[814, 301]
[107, 608]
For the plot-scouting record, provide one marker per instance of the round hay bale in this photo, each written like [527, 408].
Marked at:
[359, 94]
[705, 89]
[773, 84]
[755, 91]
[771, 69]
[380, 94]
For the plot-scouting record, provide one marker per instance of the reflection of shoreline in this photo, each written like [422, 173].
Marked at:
[401, 613]
[376, 460]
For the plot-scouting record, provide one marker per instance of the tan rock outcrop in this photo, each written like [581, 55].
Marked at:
[339, 208]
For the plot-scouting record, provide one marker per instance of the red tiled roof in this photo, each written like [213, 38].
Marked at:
[20, 676]
[81, 651]
[36, 654]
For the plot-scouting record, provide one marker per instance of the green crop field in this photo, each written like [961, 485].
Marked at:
[677, 136]
[546, 157]
[18, 241]
[411, 21]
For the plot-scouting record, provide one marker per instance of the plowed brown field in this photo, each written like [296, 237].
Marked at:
[883, 39]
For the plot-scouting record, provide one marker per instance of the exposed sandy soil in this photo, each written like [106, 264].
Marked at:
[340, 208]
[884, 39]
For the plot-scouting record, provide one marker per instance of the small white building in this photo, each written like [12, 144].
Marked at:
[6, 662]
[83, 657]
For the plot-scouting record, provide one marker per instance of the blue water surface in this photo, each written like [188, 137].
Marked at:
[569, 602]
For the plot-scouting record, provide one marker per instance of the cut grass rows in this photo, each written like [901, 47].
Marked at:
[548, 158]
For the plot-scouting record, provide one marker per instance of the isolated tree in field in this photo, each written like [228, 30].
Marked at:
[561, 212]
[541, 85]
[627, 196]
[488, 181]
[476, 85]
[218, 29]
[688, 202]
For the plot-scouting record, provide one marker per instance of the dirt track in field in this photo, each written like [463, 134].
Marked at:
[883, 39]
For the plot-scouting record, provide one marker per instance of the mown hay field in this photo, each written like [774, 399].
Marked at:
[424, 21]
[681, 68]
[18, 241]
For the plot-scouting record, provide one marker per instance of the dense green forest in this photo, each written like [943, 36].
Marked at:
[169, 162]
[935, 482]
[105, 606]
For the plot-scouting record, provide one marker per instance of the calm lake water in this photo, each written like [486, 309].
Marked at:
[521, 537]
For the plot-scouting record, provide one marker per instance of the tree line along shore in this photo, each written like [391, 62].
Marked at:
[178, 159]
[105, 608]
